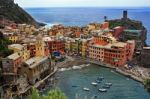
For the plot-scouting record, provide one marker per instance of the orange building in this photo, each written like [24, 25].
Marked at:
[105, 25]
[115, 53]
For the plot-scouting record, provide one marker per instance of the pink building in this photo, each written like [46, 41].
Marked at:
[116, 54]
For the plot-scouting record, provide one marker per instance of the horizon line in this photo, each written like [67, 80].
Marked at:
[90, 7]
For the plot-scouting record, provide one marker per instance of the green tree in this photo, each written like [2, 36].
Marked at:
[53, 94]
[35, 94]
[147, 84]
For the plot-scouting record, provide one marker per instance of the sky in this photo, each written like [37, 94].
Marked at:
[83, 3]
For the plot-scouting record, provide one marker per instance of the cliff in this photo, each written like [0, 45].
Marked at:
[11, 11]
[128, 23]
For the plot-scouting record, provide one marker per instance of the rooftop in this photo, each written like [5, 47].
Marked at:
[16, 46]
[13, 56]
[33, 62]
[109, 46]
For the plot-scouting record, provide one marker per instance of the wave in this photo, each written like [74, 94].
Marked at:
[74, 67]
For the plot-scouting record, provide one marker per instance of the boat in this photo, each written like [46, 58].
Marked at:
[98, 81]
[102, 90]
[100, 78]
[94, 83]
[109, 84]
[74, 86]
[106, 86]
[86, 89]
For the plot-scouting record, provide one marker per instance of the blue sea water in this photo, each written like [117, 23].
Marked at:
[83, 16]
[122, 87]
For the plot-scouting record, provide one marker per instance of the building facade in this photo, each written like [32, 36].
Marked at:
[36, 69]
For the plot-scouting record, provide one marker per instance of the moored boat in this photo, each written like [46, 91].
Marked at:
[94, 83]
[108, 84]
[86, 89]
[98, 81]
[102, 90]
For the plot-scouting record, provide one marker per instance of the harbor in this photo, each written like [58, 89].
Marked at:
[76, 80]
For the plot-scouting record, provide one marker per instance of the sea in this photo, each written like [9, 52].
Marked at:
[123, 87]
[82, 16]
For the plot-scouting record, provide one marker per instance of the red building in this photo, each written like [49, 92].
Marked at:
[54, 45]
[117, 31]
[116, 54]
[32, 48]
[105, 25]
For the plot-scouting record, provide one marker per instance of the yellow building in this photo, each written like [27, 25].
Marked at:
[67, 45]
[13, 38]
[91, 27]
[40, 48]
[84, 48]
[25, 54]
[21, 49]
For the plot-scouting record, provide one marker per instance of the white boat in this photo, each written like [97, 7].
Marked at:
[94, 83]
[109, 84]
[106, 86]
[86, 89]
[102, 90]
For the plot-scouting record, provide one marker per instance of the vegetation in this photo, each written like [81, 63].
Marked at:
[53, 94]
[4, 51]
[11, 11]
[130, 24]
[147, 84]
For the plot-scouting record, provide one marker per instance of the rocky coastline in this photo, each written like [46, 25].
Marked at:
[132, 73]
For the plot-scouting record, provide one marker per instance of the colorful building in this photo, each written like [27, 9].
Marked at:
[105, 25]
[11, 63]
[54, 45]
[37, 68]
[114, 53]
[21, 49]
[41, 48]
[117, 32]
[32, 48]
[13, 38]
[11, 67]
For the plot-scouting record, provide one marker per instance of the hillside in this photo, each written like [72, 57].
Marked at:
[11, 11]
